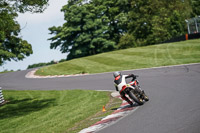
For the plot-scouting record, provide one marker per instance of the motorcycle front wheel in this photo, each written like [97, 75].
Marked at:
[136, 97]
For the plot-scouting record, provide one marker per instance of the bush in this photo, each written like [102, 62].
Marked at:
[127, 41]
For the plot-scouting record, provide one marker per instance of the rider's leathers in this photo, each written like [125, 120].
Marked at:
[120, 84]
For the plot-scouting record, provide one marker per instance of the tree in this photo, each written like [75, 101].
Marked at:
[117, 13]
[141, 15]
[155, 21]
[195, 8]
[12, 46]
[23, 6]
[126, 41]
[85, 31]
[91, 27]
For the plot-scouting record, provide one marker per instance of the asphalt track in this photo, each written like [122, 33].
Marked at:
[174, 93]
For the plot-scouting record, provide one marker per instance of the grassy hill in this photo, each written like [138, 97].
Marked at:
[133, 58]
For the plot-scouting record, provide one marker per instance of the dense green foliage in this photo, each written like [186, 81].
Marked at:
[85, 31]
[12, 46]
[157, 21]
[195, 7]
[91, 27]
[184, 52]
[98, 26]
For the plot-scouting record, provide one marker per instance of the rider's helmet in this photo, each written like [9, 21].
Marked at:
[115, 74]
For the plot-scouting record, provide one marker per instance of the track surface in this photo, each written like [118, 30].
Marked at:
[174, 93]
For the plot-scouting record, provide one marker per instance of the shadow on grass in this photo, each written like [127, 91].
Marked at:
[16, 108]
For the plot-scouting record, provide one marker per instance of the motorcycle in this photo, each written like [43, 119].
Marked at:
[134, 91]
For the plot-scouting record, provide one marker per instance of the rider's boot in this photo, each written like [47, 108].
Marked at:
[126, 99]
[131, 103]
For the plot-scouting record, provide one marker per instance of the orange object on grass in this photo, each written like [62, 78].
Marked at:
[103, 110]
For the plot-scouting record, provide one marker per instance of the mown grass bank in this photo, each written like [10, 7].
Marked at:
[50, 111]
[142, 57]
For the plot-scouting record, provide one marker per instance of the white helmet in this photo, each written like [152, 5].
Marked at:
[115, 74]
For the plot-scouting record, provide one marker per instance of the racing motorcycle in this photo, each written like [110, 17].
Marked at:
[134, 91]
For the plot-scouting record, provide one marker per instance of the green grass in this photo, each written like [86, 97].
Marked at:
[50, 111]
[6, 71]
[142, 57]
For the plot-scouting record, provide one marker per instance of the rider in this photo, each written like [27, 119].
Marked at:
[120, 84]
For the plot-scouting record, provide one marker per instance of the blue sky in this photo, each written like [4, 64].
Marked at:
[35, 31]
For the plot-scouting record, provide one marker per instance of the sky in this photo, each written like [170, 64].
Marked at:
[35, 31]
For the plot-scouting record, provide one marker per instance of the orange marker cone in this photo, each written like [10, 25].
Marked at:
[103, 109]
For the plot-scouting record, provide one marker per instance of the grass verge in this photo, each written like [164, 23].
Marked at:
[142, 57]
[6, 71]
[52, 111]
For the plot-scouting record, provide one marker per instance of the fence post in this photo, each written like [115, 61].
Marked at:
[1, 97]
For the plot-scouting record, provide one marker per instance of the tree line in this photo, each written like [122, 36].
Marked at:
[96, 26]
[36, 65]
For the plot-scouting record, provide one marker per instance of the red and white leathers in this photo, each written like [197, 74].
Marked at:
[120, 84]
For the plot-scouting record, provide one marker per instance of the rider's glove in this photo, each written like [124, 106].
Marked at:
[134, 77]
